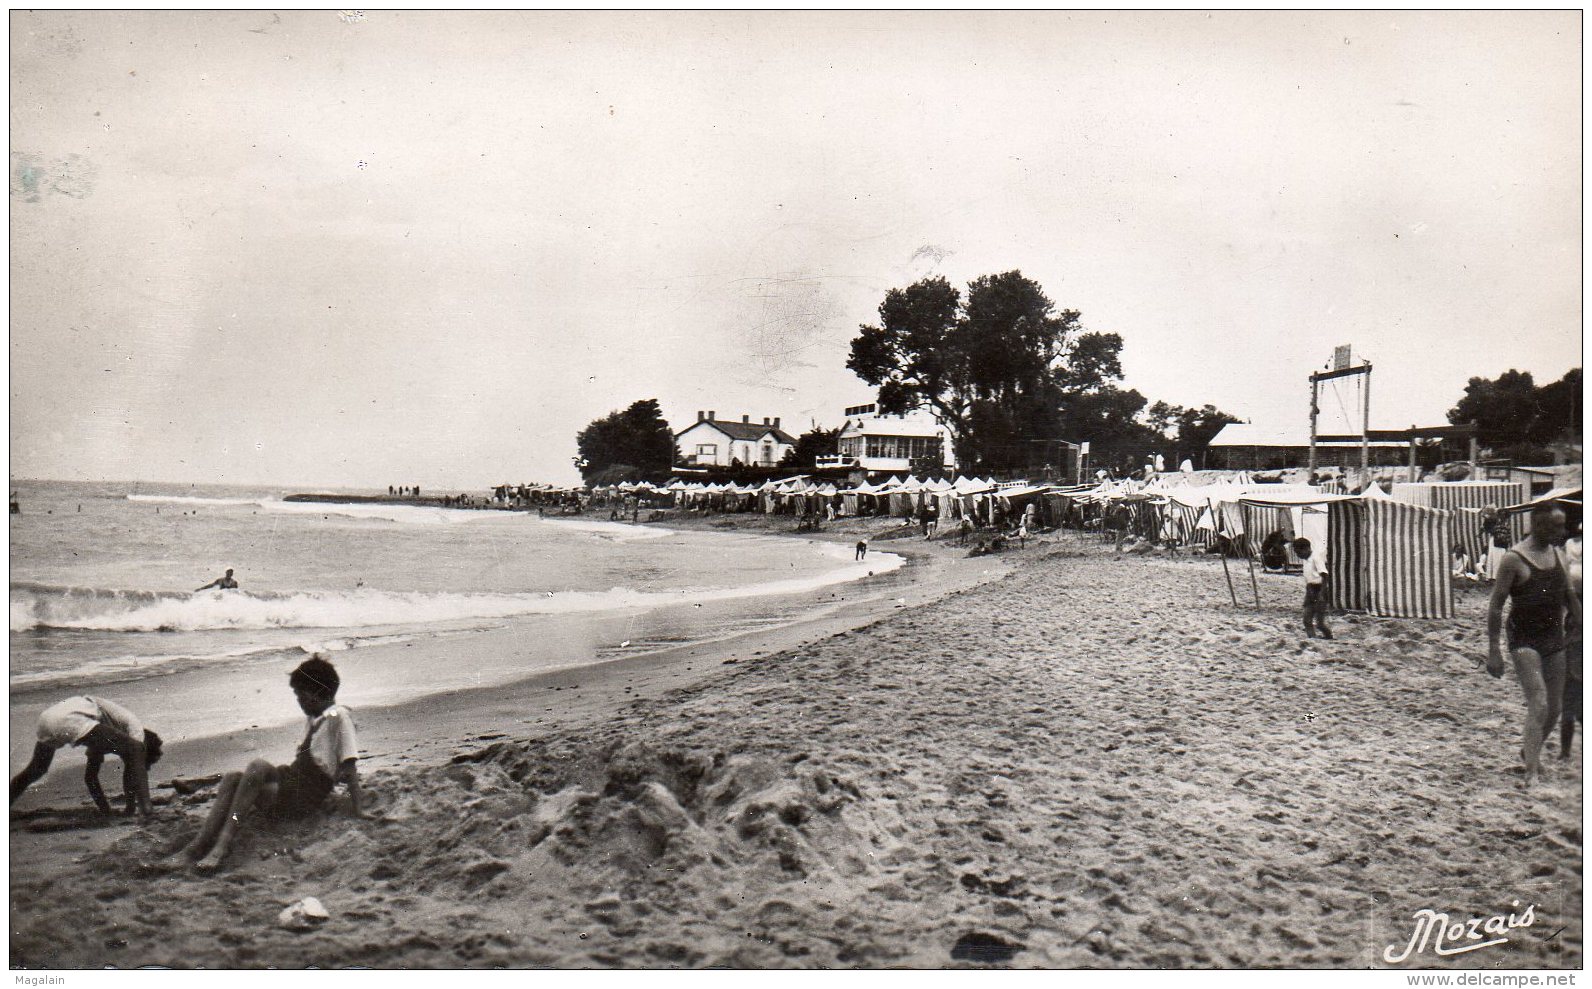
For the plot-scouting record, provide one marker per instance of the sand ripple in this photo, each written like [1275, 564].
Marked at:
[1089, 763]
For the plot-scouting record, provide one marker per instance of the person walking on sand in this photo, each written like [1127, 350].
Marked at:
[1315, 609]
[103, 728]
[862, 549]
[328, 755]
[224, 582]
[1570, 709]
[1532, 578]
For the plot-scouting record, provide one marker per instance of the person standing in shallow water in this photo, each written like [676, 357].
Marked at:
[1532, 578]
[224, 582]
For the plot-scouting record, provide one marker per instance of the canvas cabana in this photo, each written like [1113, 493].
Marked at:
[1390, 558]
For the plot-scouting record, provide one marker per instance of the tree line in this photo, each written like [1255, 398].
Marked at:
[1010, 374]
[1519, 421]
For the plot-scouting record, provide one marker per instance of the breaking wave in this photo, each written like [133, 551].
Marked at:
[410, 514]
[43, 606]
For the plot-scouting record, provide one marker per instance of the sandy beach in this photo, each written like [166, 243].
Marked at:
[1052, 758]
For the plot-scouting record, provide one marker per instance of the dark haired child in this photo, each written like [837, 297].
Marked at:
[1315, 611]
[328, 755]
[102, 728]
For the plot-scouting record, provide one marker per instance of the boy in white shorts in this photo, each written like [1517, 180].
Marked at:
[102, 727]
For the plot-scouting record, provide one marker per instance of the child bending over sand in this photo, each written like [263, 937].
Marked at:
[102, 728]
[328, 755]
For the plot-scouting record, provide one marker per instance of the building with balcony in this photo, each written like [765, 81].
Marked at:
[890, 444]
[711, 441]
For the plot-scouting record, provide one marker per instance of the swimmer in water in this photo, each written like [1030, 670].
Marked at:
[224, 582]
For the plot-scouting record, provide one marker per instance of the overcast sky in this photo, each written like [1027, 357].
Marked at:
[313, 249]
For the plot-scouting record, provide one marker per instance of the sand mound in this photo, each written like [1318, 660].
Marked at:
[1094, 762]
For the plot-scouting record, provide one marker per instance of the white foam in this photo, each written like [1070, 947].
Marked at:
[121, 665]
[622, 532]
[37, 606]
[388, 512]
[190, 500]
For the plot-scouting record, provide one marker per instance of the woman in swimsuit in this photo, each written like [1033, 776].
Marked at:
[1532, 578]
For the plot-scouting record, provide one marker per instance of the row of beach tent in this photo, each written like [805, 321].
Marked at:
[1389, 552]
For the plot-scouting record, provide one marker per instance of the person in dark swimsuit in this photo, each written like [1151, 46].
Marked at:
[1570, 711]
[1532, 578]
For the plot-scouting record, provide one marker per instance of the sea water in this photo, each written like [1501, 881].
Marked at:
[103, 600]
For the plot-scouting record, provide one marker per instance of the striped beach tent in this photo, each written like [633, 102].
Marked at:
[1462, 494]
[1346, 555]
[1261, 521]
[1467, 533]
[1406, 560]
[1145, 521]
[1188, 517]
[1469, 494]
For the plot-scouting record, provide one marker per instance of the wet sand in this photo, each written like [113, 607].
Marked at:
[1084, 762]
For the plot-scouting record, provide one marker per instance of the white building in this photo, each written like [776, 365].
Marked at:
[715, 442]
[873, 442]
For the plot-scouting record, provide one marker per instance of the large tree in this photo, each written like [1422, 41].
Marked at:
[1516, 418]
[988, 367]
[631, 445]
[1010, 374]
[914, 356]
[811, 445]
[1197, 427]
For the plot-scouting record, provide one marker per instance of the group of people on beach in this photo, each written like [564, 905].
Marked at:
[262, 792]
[1539, 579]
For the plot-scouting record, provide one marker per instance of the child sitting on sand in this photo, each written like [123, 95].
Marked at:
[327, 756]
[1315, 611]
